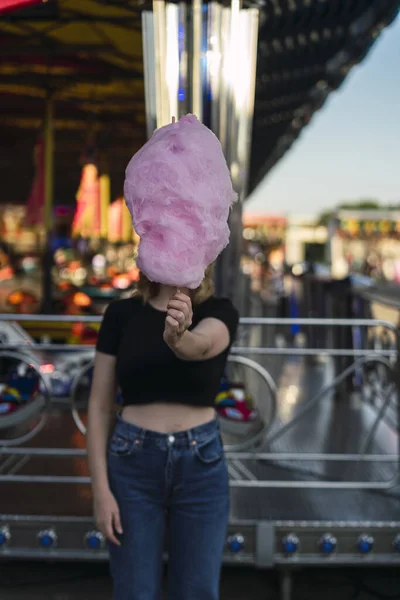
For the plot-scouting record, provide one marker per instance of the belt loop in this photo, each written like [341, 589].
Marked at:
[142, 435]
[191, 437]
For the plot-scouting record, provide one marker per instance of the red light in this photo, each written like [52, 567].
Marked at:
[47, 369]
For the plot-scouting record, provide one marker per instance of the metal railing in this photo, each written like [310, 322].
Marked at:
[240, 457]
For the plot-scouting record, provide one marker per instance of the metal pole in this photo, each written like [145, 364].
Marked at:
[48, 206]
[197, 87]
[149, 65]
[286, 585]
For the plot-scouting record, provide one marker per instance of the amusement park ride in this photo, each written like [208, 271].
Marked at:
[313, 470]
[312, 454]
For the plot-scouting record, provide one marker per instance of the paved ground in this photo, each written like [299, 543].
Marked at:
[23, 581]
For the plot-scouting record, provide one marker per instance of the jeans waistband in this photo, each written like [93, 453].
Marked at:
[181, 438]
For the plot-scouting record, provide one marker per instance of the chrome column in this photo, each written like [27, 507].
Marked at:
[231, 63]
[149, 71]
[201, 58]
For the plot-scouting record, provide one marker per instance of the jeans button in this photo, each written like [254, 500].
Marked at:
[171, 439]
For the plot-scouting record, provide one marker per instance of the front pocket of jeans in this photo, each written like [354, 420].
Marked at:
[211, 451]
[120, 446]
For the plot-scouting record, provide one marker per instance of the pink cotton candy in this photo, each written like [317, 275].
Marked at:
[179, 193]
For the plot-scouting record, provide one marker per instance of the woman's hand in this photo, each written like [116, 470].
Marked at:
[178, 320]
[107, 516]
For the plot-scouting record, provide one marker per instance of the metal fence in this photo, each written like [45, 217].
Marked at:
[241, 454]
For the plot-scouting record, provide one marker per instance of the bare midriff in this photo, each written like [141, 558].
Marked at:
[167, 418]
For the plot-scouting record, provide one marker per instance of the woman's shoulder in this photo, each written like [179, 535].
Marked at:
[219, 308]
[213, 303]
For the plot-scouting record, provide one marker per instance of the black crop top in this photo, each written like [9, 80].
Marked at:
[147, 369]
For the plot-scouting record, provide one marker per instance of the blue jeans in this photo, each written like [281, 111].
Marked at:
[174, 489]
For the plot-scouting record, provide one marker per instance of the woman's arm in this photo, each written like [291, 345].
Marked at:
[101, 417]
[208, 339]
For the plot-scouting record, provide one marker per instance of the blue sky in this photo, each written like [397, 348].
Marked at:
[351, 148]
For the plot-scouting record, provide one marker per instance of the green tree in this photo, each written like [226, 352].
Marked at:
[363, 204]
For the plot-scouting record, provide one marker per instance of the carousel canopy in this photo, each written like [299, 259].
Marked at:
[88, 54]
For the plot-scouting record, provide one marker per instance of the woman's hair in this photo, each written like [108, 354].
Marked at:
[147, 289]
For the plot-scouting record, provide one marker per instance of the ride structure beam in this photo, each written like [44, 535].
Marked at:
[48, 205]
[201, 58]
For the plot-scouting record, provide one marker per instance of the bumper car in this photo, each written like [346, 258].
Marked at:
[235, 408]
[20, 396]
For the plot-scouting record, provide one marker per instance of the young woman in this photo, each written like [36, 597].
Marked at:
[161, 475]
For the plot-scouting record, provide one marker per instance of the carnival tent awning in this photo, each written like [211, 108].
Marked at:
[306, 50]
[88, 54]
[8, 6]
